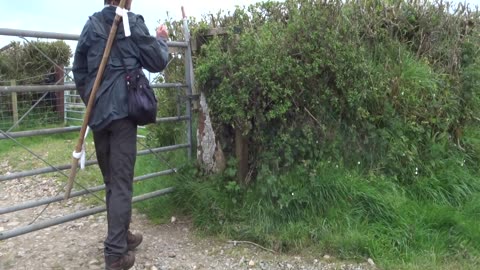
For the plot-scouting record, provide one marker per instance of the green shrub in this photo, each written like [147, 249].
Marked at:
[367, 81]
[361, 122]
[328, 208]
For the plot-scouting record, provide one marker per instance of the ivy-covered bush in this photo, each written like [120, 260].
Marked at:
[373, 84]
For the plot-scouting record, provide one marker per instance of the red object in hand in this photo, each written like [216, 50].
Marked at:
[162, 32]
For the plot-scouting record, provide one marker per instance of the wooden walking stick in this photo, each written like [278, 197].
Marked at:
[91, 100]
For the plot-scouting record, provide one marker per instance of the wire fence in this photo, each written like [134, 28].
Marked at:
[35, 110]
[39, 109]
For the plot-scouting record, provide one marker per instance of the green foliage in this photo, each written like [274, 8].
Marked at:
[159, 209]
[28, 64]
[170, 101]
[330, 209]
[168, 106]
[361, 119]
[169, 133]
[361, 123]
[27, 60]
[369, 81]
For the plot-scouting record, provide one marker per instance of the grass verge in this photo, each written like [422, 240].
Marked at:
[326, 208]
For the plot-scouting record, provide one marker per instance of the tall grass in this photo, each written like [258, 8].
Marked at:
[432, 224]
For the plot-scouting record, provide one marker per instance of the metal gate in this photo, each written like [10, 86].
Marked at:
[71, 103]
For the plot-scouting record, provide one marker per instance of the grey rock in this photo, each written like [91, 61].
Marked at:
[94, 262]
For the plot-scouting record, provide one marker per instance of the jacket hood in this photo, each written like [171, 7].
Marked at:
[107, 15]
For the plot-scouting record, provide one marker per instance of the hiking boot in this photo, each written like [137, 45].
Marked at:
[123, 263]
[133, 240]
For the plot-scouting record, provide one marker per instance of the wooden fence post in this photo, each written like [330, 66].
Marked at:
[241, 153]
[60, 96]
[14, 103]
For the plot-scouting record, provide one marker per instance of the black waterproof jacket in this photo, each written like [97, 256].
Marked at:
[140, 50]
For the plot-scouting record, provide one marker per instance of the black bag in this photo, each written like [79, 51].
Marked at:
[142, 103]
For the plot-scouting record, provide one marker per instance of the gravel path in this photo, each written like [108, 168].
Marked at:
[79, 244]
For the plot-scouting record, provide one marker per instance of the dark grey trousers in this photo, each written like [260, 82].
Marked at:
[116, 147]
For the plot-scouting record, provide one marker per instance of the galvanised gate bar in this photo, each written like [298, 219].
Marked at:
[8, 135]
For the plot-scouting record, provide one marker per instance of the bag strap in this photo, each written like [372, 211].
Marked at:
[107, 27]
[121, 58]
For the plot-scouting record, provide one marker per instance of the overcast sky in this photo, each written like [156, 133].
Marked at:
[70, 16]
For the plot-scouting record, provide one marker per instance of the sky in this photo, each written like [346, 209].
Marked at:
[70, 16]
